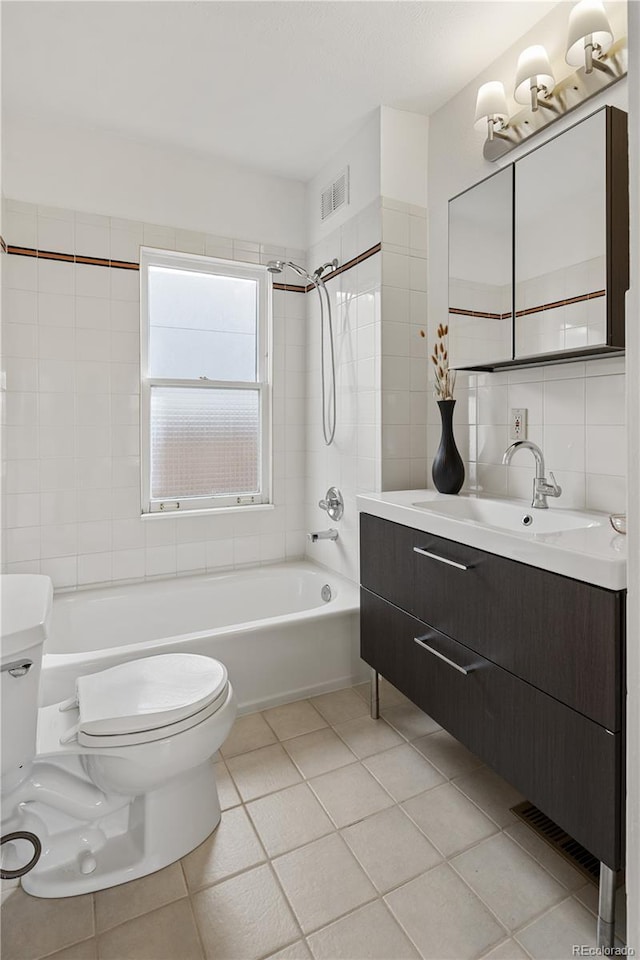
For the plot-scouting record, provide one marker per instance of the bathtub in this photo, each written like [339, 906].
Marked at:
[270, 626]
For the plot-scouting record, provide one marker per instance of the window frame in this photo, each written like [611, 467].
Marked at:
[152, 257]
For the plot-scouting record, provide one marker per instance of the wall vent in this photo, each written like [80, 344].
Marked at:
[335, 195]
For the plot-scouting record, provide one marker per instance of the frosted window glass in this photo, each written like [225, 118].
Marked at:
[204, 442]
[202, 325]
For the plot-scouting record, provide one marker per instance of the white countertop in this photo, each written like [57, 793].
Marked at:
[594, 554]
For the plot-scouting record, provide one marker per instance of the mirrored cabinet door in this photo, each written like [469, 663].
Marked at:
[561, 242]
[480, 272]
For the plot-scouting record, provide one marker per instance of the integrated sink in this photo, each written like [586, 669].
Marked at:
[513, 517]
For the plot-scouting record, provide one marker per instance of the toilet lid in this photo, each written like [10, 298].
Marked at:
[148, 694]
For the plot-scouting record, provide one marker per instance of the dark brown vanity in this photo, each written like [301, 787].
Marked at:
[523, 666]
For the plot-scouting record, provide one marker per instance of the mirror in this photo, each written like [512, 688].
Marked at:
[480, 272]
[560, 242]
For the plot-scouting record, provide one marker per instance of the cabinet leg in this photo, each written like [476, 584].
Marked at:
[375, 695]
[606, 906]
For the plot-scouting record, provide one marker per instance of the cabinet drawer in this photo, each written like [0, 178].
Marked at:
[561, 761]
[561, 635]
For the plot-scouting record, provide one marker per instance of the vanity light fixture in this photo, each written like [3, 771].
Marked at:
[590, 47]
[534, 76]
[589, 34]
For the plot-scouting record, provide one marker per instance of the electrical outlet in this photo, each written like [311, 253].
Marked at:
[518, 428]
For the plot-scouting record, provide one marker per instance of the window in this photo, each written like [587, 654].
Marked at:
[205, 384]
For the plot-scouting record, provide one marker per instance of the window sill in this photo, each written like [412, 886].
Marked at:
[210, 512]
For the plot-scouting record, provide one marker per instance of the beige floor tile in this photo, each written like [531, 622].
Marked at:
[557, 866]
[87, 950]
[447, 754]
[390, 848]
[294, 719]
[319, 752]
[233, 846]
[449, 819]
[588, 895]
[390, 695]
[444, 919]
[492, 794]
[33, 927]
[248, 733]
[323, 881]
[509, 950]
[262, 771]
[288, 819]
[340, 705]
[363, 690]
[409, 720]
[366, 736]
[297, 951]
[369, 933]
[509, 881]
[554, 934]
[403, 772]
[227, 793]
[128, 900]
[350, 794]
[245, 917]
[164, 934]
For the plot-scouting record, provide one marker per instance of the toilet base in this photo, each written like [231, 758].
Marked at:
[144, 835]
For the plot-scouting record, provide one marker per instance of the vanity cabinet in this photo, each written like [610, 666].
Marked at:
[521, 665]
[539, 252]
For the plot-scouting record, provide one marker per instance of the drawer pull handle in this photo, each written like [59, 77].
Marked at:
[441, 656]
[434, 556]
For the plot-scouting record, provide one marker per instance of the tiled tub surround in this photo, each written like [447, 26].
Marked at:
[71, 352]
[576, 414]
[381, 367]
[341, 837]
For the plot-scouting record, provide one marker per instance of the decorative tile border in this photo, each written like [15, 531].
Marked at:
[70, 258]
[462, 312]
[126, 265]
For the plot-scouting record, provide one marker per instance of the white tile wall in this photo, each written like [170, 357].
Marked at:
[404, 367]
[70, 344]
[353, 462]
[576, 414]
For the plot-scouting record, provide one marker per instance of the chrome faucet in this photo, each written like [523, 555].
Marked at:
[331, 534]
[541, 486]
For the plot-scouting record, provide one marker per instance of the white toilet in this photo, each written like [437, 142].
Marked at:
[117, 782]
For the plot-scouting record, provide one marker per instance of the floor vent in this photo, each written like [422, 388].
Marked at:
[561, 842]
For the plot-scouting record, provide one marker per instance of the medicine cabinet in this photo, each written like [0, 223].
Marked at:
[539, 253]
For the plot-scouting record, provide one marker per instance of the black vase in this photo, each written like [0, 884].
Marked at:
[448, 468]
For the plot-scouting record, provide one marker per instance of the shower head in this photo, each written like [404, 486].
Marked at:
[276, 266]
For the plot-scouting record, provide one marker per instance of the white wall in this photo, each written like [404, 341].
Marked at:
[404, 139]
[576, 411]
[106, 174]
[633, 358]
[361, 153]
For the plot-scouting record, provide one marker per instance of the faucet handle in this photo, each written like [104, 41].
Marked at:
[556, 488]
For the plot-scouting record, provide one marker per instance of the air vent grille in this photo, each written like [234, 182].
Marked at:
[335, 195]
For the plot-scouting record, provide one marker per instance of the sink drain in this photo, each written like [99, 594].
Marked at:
[527, 520]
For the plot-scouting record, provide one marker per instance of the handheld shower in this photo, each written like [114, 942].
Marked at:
[328, 404]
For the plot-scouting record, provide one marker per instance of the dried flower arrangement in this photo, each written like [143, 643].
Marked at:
[445, 379]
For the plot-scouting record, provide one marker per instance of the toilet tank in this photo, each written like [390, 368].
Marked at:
[25, 615]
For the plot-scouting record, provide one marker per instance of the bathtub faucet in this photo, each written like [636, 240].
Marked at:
[323, 535]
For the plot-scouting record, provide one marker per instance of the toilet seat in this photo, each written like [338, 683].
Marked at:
[146, 700]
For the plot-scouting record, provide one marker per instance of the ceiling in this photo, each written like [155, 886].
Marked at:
[274, 84]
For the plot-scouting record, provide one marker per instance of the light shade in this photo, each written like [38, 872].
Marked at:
[587, 19]
[491, 102]
[533, 64]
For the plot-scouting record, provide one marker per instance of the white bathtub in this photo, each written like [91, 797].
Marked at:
[278, 638]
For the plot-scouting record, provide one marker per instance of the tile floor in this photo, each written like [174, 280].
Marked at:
[342, 837]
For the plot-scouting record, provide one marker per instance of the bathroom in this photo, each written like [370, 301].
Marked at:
[340, 835]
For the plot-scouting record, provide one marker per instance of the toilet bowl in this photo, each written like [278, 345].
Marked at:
[117, 782]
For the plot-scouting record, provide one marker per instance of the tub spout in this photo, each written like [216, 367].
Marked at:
[331, 534]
